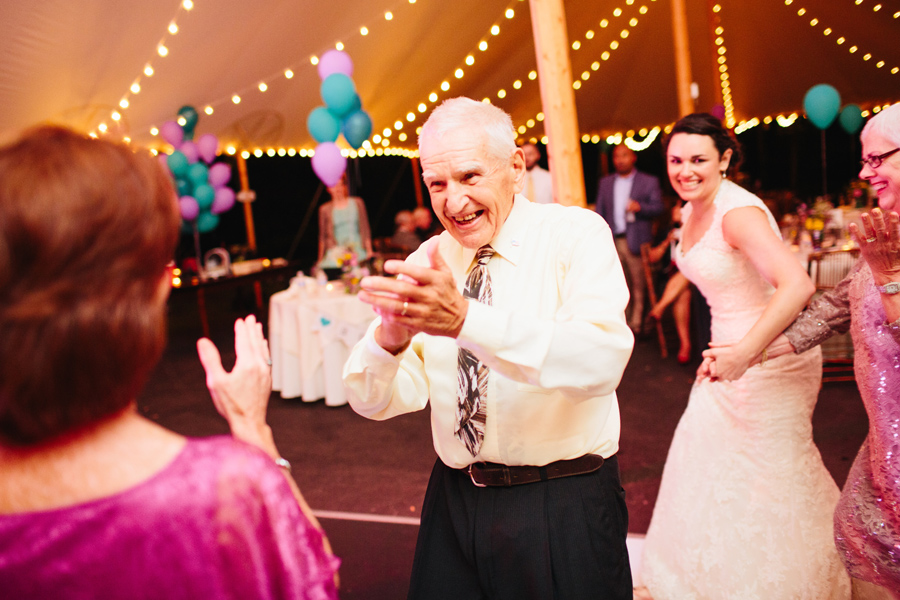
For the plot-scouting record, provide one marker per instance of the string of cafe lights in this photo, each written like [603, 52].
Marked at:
[878, 6]
[724, 83]
[148, 71]
[618, 38]
[384, 138]
[262, 86]
[840, 40]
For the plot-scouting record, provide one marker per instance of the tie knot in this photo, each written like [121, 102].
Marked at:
[484, 254]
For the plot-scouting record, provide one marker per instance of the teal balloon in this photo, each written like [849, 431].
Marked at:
[339, 94]
[198, 173]
[357, 128]
[184, 186]
[190, 115]
[355, 105]
[323, 125]
[204, 194]
[822, 103]
[178, 163]
[207, 221]
[851, 118]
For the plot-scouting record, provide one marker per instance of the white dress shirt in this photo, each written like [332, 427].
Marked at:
[555, 340]
[621, 193]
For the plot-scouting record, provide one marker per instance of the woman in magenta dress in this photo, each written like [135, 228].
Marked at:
[95, 500]
[867, 303]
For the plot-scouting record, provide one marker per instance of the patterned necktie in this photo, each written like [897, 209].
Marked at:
[471, 372]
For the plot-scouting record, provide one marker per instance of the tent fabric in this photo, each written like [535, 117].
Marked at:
[72, 62]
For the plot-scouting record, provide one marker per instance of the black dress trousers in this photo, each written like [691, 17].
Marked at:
[560, 539]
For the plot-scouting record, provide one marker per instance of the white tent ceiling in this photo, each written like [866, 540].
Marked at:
[73, 61]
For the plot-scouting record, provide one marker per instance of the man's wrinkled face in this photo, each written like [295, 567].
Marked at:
[472, 192]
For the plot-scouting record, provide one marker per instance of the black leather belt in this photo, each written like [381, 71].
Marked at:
[619, 236]
[484, 474]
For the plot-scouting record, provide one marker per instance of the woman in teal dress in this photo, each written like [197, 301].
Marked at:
[343, 228]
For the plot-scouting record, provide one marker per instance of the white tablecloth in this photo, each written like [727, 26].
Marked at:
[311, 331]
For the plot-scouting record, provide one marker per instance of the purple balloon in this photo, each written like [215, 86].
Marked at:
[172, 133]
[219, 175]
[189, 149]
[328, 163]
[224, 201]
[718, 111]
[207, 146]
[188, 207]
[335, 61]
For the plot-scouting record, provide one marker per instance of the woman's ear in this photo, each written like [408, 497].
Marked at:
[725, 161]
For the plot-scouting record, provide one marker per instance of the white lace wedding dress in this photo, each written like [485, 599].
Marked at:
[745, 504]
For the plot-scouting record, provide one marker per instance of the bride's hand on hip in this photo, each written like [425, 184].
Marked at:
[728, 363]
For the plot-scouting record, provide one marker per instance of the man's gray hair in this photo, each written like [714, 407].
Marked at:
[886, 123]
[465, 112]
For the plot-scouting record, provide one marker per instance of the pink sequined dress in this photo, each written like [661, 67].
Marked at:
[219, 522]
[867, 518]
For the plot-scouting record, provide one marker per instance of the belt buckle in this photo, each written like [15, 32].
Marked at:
[472, 477]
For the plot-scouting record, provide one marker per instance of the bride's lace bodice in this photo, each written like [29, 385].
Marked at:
[734, 289]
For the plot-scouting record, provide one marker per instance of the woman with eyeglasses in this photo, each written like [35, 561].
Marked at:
[867, 303]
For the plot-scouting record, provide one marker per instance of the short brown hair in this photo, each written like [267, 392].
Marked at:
[86, 230]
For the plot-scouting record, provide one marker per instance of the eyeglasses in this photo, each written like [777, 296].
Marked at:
[875, 161]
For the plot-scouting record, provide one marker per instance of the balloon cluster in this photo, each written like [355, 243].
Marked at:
[342, 113]
[203, 192]
[822, 104]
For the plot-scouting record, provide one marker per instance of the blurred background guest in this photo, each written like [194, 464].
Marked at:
[95, 500]
[630, 201]
[343, 228]
[538, 182]
[426, 226]
[405, 237]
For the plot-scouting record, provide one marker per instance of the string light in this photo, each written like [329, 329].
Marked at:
[722, 60]
[853, 48]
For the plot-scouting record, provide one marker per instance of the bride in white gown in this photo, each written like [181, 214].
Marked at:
[745, 504]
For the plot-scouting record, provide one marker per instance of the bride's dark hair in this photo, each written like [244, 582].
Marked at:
[706, 124]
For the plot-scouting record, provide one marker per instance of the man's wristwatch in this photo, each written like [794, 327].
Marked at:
[892, 287]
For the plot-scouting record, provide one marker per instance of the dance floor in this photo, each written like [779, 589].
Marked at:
[366, 479]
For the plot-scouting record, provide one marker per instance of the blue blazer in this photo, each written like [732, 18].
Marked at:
[646, 191]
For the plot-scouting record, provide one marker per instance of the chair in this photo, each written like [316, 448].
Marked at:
[827, 269]
[651, 295]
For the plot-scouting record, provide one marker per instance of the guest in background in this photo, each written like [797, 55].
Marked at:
[343, 228]
[677, 291]
[405, 238]
[426, 227]
[511, 326]
[867, 303]
[538, 181]
[630, 201]
[95, 500]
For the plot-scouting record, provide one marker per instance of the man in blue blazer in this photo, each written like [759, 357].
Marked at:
[630, 201]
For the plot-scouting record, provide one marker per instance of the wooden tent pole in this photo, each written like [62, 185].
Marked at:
[551, 46]
[246, 197]
[417, 181]
[683, 76]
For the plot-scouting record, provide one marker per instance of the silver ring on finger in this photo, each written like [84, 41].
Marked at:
[871, 240]
[405, 306]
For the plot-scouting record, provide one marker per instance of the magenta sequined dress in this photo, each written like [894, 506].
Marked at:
[867, 518]
[218, 522]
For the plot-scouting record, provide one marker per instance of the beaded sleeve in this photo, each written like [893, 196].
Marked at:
[827, 315]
